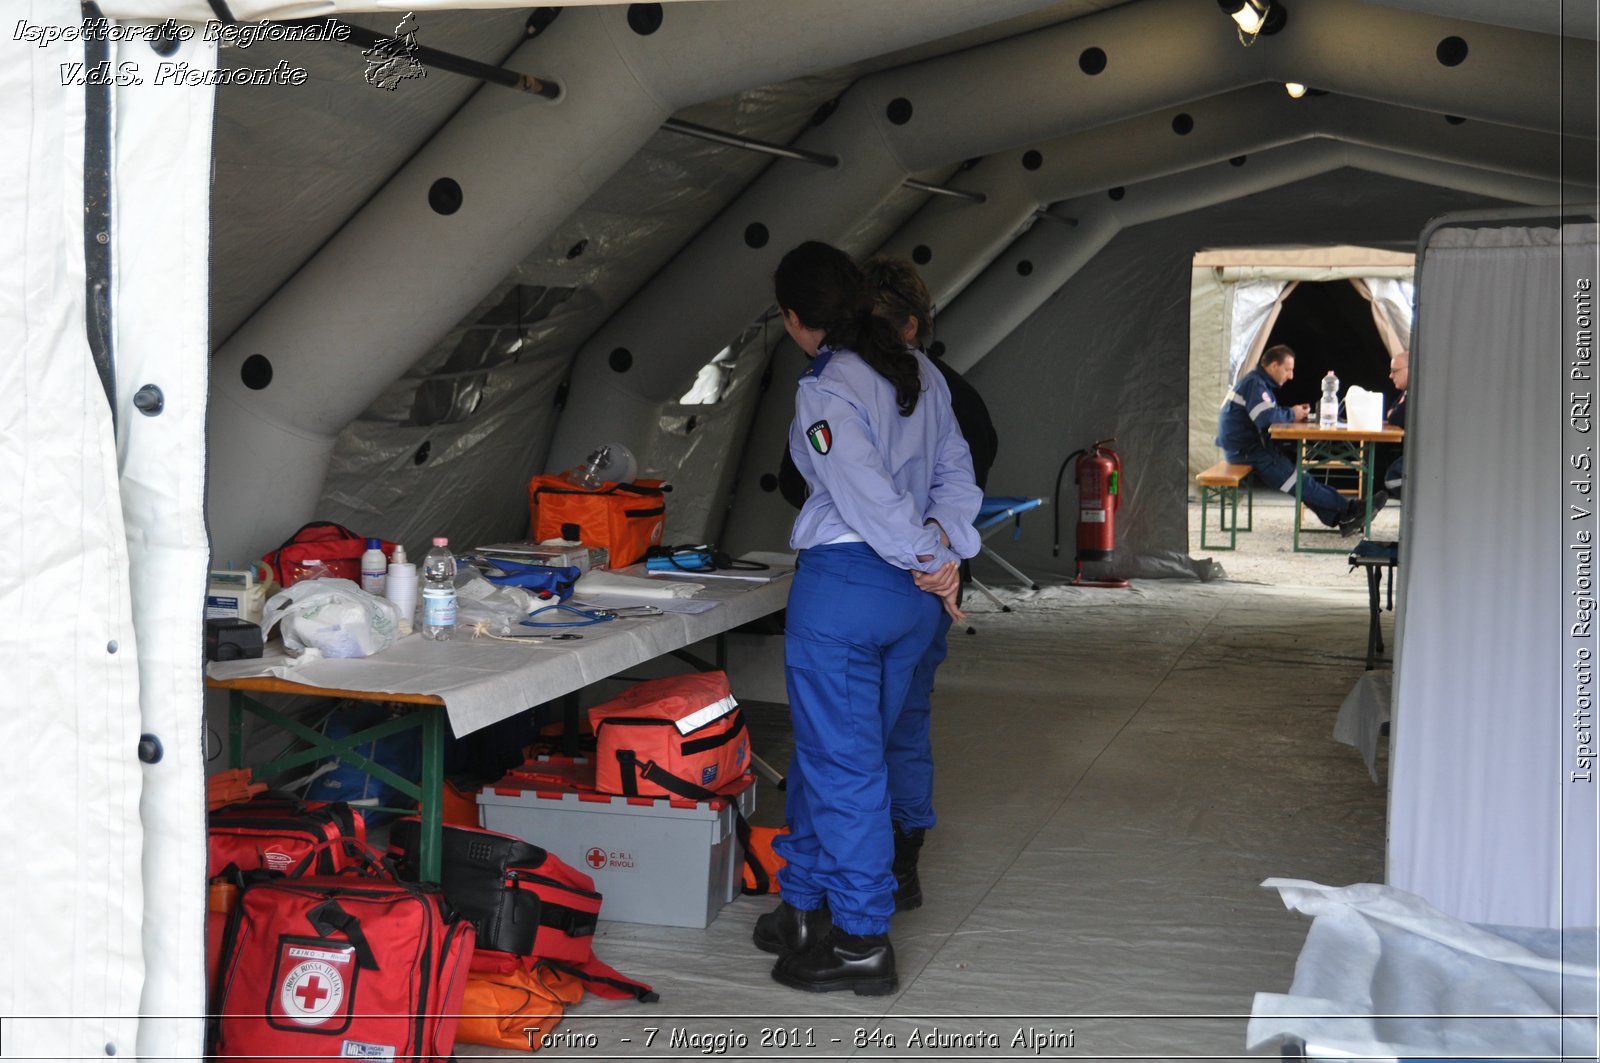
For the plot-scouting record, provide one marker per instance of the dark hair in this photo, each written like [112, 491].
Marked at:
[901, 295]
[1275, 354]
[827, 292]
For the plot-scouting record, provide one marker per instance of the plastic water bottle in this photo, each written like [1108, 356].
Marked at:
[439, 591]
[1330, 401]
[374, 568]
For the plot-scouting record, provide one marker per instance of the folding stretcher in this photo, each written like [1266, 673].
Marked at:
[993, 515]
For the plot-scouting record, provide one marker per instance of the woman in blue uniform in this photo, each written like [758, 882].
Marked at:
[881, 536]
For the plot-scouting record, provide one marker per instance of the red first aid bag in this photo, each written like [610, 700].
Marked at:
[277, 832]
[524, 902]
[337, 547]
[353, 965]
[625, 519]
[678, 736]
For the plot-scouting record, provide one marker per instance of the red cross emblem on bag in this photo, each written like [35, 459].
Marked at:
[313, 985]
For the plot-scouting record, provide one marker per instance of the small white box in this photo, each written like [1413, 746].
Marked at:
[666, 862]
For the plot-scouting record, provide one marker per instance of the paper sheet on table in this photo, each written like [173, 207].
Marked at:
[1384, 974]
[610, 584]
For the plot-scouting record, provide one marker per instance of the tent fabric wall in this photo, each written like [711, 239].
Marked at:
[68, 646]
[161, 239]
[1486, 812]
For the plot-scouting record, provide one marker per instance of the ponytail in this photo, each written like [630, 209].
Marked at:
[826, 291]
[880, 346]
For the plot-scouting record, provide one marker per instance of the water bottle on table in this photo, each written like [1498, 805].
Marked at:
[1329, 411]
[439, 591]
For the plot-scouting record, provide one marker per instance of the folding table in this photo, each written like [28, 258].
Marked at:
[465, 684]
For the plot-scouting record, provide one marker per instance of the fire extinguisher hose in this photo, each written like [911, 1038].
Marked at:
[1055, 546]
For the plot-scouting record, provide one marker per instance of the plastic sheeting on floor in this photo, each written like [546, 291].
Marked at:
[1386, 974]
[1116, 772]
[1363, 715]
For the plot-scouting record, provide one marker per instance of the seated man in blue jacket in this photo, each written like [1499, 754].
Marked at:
[1250, 408]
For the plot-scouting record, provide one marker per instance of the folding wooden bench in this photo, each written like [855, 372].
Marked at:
[1220, 484]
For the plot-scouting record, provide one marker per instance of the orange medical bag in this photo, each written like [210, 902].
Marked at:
[678, 736]
[626, 519]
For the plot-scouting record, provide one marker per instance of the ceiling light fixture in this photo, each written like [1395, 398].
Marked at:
[1255, 18]
[1294, 89]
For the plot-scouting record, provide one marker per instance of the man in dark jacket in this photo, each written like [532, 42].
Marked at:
[1249, 410]
[1400, 373]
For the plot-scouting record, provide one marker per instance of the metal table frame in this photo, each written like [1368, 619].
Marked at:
[1321, 449]
[419, 710]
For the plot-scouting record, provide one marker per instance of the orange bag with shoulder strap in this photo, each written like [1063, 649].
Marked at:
[515, 1008]
[761, 863]
[625, 519]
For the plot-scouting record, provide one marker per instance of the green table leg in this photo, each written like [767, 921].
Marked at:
[235, 728]
[432, 798]
[1299, 502]
[1369, 455]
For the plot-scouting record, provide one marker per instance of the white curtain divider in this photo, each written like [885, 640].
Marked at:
[1485, 813]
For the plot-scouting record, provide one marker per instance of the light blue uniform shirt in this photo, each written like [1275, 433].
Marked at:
[876, 476]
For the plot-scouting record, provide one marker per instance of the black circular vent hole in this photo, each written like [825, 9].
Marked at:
[1117, 192]
[1024, 268]
[1452, 51]
[1032, 160]
[1182, 125]
[621, 360]
[899, 110]
[936, 349]
[1237, 160]
[922, 254]
[256, 373]
[1092, 61]
[644, 19]
[444, 196]
[769, 482]
[756, 235]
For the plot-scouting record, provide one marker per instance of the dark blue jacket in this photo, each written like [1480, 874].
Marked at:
[1250, 408]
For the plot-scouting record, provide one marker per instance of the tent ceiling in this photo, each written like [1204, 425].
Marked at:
[293, 163]
[292, 166]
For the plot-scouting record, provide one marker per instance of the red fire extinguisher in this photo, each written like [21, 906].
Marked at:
[1099, 479]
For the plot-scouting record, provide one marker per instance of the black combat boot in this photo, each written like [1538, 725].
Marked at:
[907, 886]
[861, 963]
[787, 929]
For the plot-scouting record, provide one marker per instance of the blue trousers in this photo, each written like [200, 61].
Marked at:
[1394, 478]
[910, 753]
[1278, 472]
[856, 630]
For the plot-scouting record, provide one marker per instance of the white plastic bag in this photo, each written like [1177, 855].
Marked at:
[483, 605]
[332, 616]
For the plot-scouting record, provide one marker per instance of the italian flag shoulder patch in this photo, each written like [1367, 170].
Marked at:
[820, 436]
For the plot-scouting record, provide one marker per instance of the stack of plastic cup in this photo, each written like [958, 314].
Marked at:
[401, 589]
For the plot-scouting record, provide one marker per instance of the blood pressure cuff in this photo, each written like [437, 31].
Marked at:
[540, 579]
